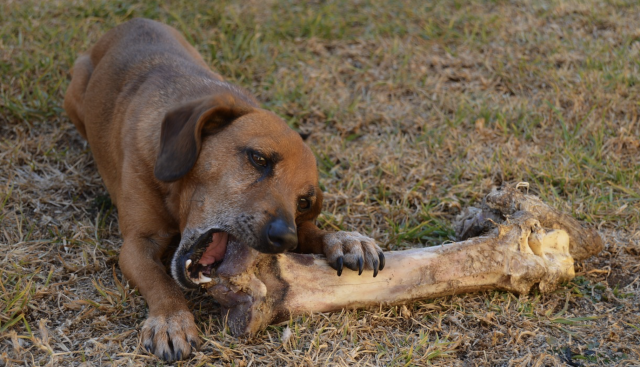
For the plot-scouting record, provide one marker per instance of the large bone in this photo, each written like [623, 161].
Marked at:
[256, 289]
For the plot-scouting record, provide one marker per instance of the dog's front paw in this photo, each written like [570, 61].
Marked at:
[170, 337]
[353, 250]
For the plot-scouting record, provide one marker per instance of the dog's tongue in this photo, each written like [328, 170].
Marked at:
[216, 249]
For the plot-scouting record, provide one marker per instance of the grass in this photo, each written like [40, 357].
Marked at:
[415, 109]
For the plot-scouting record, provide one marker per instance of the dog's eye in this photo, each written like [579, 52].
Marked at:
[304, 204]
[258, 159]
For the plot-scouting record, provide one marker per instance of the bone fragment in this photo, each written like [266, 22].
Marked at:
[256, 289]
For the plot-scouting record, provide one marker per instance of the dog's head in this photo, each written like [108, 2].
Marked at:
[239, 174]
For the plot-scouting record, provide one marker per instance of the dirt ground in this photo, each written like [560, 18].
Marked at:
[414, 109]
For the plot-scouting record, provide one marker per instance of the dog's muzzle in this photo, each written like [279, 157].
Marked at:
[195, 265]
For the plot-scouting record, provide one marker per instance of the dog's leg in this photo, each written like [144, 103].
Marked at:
[350, 249]
[74, 97]
[170, 331]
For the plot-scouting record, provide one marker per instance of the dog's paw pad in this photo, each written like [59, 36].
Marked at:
[354, 251]
[170, 337]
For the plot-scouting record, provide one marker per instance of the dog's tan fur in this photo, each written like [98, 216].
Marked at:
[166, 134]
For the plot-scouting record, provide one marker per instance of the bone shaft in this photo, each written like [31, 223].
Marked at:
[409, 275]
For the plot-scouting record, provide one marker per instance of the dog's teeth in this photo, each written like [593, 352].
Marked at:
[188, 264]
[204, 279]
[201, 279]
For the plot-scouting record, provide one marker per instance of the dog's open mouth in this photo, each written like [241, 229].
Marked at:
[207, 253]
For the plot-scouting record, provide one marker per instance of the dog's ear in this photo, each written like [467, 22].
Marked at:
[183, 128]
[304, 135]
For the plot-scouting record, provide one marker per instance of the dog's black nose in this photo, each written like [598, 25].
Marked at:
[282, 237]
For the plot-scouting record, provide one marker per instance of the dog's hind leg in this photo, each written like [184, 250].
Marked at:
[74, 97]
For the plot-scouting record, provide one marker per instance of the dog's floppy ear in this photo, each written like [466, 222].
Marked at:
[183, 128]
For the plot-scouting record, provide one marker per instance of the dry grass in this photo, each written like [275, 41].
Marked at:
[415, 108]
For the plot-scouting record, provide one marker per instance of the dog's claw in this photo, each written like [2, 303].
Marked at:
[381, 257]
[169, 336]
[375, 267]
[193, 344]
[352, 250]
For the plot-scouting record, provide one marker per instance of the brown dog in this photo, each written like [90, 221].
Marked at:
[190, 158]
